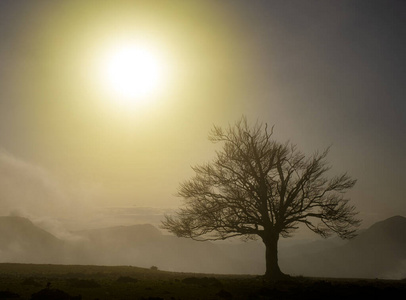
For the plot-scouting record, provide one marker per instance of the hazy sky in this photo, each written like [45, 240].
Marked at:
[323, 72]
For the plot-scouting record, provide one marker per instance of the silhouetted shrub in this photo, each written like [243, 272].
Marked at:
[154, 268]
[53, 294]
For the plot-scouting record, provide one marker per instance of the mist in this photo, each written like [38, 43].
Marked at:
[146, 246]
[86, 180]
[45, 221]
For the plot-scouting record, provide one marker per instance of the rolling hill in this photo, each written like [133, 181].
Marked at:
[22, 241]
[146, 246]
[378, 252]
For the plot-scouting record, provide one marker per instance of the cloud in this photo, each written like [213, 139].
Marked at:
[30, 191]
[25, 186]
[129, 215]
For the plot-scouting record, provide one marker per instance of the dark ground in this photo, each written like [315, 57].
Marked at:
[28, 281]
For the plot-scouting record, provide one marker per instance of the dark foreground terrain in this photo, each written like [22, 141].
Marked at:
[28, 281]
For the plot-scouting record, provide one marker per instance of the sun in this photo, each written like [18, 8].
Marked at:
[133, 73]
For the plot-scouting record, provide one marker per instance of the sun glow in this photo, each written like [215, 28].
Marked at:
[133, 73]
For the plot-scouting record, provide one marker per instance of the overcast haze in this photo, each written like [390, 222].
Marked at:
[323, 72]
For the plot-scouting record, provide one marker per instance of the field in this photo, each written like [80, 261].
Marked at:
[28, 281]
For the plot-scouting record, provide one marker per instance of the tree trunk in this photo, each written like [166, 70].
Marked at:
[271, 257]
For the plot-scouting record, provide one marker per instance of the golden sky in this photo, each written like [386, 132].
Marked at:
[324, 74]
[79, 131]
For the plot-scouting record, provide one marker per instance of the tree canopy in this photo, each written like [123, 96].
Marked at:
[258, 187]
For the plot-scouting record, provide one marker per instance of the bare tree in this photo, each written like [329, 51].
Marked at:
[258, 187]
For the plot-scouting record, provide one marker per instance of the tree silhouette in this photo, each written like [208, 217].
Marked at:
[258, 187]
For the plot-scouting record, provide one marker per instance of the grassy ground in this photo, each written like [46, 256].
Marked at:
[25, 281]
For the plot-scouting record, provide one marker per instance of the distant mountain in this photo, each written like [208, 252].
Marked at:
[388, 233]
[145, 246]
[378, 252]
[22, 241]
[123, 235]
